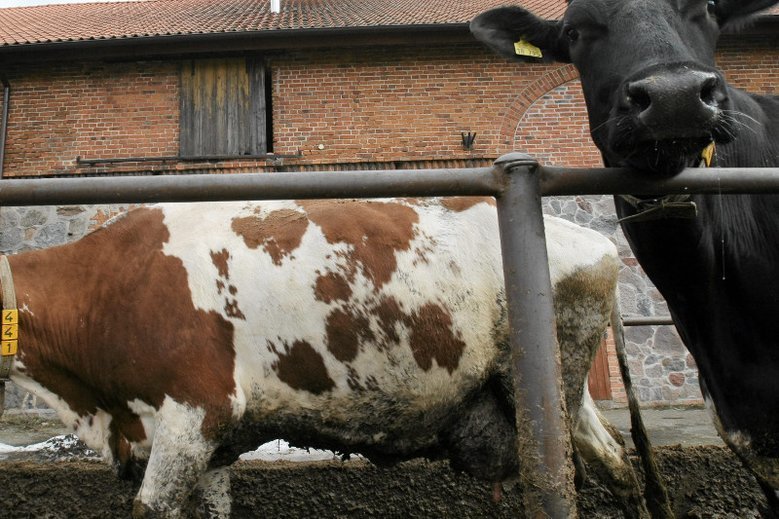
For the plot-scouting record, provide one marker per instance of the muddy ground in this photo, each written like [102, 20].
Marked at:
[703, 481]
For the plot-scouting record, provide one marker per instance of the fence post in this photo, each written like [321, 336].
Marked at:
[543, 436]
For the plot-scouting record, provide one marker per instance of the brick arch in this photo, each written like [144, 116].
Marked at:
[555, 129]
[529, 95]
[548, 120]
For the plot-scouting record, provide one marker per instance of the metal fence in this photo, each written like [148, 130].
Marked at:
[518, 183]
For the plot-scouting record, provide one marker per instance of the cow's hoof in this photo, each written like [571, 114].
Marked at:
[144, 511]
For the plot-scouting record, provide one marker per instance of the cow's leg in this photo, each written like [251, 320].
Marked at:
[211, 498]
[765, 469]
[595, 440]
[179, 457]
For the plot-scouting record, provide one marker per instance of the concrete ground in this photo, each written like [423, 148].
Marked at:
[20, 428]
[683, 426]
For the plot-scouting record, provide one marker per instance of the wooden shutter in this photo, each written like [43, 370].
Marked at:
[222, 108]
[599, 382]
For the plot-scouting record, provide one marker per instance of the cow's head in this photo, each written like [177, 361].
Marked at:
[654, 97]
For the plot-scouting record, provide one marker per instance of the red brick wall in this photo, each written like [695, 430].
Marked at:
[554, 129]
[618, 393]
[389, 104]
[60, 112]
[751, 64]
[361, 105]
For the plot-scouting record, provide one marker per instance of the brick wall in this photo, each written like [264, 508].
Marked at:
[354, 105]
[339, 105]
[60, 112]
[384, 104]
[751, 64]
[554, 129]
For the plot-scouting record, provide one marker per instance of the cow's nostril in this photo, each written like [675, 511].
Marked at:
[709, 91]
[638, 96]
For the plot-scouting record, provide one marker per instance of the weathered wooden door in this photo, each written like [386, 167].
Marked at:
[222, 108]
[599, 382]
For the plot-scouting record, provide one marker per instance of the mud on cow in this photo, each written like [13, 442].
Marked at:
[187, 334]
[657, 103]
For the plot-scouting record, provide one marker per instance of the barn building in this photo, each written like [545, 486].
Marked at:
[200, 86]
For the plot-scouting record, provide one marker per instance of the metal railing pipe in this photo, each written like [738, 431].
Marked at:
[544, 440]
[620, 181]
[249, 186]
[655, 320]
[374, 183]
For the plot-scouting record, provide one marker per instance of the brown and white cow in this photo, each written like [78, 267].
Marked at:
[186, 334]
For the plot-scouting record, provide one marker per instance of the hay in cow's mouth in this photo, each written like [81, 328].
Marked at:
[665, 158]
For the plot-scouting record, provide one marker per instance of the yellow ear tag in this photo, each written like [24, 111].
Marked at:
[708, 154]
[9, 332]
[524, 48]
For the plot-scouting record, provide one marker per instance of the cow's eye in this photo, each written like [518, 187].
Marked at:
[572, 34]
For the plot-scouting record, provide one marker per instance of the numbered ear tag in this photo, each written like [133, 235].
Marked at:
[525, 48]
[9, 332]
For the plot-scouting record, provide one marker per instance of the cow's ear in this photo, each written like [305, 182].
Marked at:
[732, 14]
[519, 34]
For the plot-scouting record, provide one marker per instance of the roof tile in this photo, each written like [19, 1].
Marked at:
[138, 19]
[94, 21]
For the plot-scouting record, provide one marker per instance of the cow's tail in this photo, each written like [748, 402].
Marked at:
[656, 494]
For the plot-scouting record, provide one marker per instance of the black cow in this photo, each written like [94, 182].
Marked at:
[656, 101]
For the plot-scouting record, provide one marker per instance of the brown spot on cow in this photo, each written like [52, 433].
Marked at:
[432, 337]
[459, 204]
[353, 379]
[374, 230]
[332, 287]
[125, 427]
[105, 326]
[345, 331]
[389, 314]
[302, 367]
[220, 262]
[279, 234]
[431, 333]
[232, 310]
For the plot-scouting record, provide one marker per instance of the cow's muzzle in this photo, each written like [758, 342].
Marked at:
[675, 104]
